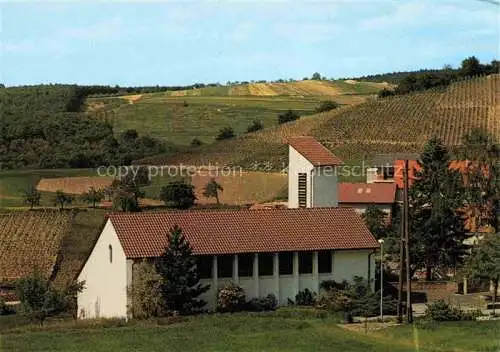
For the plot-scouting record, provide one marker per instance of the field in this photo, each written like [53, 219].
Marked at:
[180, 116]
[242, 188]
[31, 241]
[358, 132]
[276, 331]
[73, 185]
[15, 182]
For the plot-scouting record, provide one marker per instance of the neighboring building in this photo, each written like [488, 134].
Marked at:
[312, 173]
[278, 251]
[361, 195]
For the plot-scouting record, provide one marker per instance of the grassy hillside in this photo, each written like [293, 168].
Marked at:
[180, 116]
[355, 133]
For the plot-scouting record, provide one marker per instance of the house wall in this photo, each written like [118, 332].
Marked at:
[325, 190]
[297, 164]
[105, 293]
[345, 265]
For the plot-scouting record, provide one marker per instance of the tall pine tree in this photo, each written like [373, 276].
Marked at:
[482, 177]
[180, 286]
[437, 230]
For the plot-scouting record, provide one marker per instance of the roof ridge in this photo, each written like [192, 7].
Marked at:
[200, 211]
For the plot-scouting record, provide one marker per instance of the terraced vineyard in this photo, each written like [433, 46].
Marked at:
[31, 241]
[396, 124]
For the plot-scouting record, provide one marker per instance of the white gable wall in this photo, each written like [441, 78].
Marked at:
[325, 190]
[297, 163]
[105, 293]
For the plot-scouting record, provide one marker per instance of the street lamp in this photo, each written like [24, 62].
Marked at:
[381, 241]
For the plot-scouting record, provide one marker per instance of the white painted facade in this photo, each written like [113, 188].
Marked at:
[105, 293]
[321, 182]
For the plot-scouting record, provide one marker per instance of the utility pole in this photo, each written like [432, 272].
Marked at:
[409, 313]
[401, 269]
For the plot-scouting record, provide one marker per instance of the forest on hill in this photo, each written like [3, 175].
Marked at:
[44, 127]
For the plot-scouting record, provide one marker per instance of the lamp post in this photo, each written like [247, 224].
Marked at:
[381, 241]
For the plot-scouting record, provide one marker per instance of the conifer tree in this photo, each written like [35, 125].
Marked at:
[437, 229]
[180, 286]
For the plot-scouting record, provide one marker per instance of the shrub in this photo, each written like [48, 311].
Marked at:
[305, 298]
[328, 285]
[4, 308]
[385, 93]
[442, 311]
[231, 299]
[145, 292]
[327, 106]
[41, 299]
[287, 117]
[196, 142]
[262, 304]
[225, 133]
[255, 126]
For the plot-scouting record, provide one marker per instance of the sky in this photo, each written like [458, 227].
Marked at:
[182, 42]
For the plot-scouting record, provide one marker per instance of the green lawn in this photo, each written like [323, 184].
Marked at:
[250, 332]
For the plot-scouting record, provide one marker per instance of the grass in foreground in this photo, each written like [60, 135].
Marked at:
[250, 332]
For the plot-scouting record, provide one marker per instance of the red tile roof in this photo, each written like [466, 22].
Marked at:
[243, 231]
[379, 193]
[314, 151]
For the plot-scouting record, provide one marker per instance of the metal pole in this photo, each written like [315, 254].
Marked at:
[401, 269]
[409, 313]
[381, 280]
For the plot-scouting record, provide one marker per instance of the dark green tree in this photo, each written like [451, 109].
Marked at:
[225, 133]
[255, 126]
[32, 196]
[484, 262]
[180, 286]
[316, 76]
[212, 189]
[41, 299]
[376, 221]
[130, 186]
[327, 106]
[178, 194]
[471, 67]
[385, 92]
[62, 199]
[481, 155]
[436, 225]
[288, 116]
[196, 142]
[93, 196]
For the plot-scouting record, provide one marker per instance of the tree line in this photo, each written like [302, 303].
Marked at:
[425, 79]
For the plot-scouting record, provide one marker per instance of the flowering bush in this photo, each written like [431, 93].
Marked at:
[231, 299]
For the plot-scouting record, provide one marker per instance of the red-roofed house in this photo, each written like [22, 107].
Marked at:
[361, 195]
[269, 251]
